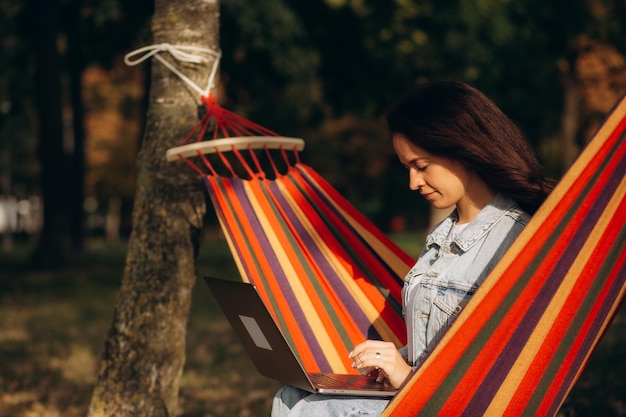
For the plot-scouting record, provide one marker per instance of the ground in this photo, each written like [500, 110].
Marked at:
[53, 326]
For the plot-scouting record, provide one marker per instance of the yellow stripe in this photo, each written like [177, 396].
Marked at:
[605, 324]
[577, 269]
[551, 203]
[396, 264]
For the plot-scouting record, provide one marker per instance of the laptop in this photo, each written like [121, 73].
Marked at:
[271, 353]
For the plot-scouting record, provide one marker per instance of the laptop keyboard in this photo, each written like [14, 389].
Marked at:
[343, 381]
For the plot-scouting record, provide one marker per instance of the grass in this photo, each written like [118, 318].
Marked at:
[53, 326]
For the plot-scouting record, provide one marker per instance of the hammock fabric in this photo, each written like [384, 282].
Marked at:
[328, 275]
[332, 279]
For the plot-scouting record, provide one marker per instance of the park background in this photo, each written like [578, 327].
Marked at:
[72, 124]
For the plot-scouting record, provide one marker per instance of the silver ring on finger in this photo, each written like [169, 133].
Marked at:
[377, 355]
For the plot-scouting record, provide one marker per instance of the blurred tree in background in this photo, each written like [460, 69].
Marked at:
[49, 45]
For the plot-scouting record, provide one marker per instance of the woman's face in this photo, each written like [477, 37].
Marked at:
[442, 181]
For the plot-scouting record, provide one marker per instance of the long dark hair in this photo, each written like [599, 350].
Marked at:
[455, 120]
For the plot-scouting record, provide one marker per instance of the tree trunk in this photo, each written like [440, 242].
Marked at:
[54, 248]
[145, 349]
[75, 67]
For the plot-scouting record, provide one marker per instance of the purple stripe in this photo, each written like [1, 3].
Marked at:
[219, 210]
[390, 293]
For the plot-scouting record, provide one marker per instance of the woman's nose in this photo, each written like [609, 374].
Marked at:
[416, 180]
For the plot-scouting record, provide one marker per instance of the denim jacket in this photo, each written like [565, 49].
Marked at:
[448, 273]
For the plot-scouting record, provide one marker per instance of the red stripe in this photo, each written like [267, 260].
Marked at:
[308, 359]
[390, 282]
[482, 364]
[518, 314]
[236, 217]
[320, 227]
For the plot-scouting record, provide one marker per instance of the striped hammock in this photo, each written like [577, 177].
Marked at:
[328, 276]
[331, 279]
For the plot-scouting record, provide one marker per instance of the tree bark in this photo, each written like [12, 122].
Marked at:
[145, 349]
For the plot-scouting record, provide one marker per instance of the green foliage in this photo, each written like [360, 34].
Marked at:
[265, 59]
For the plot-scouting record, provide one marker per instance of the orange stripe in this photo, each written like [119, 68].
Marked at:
[392, 325]
[332, 338]
[551, 395]
[463, 331]
[397, 259]
[375, 298]
[229, 217]
[237, 218]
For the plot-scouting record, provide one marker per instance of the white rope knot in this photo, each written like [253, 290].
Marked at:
[182, 53]
[178, 52]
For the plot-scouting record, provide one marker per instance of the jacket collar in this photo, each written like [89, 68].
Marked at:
[476, 229]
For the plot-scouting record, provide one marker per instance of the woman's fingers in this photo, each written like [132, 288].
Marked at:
[381, 376]
[383, 356]
[372, 346]
[372, 354]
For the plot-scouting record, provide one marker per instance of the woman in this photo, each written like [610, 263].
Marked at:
[460, 151]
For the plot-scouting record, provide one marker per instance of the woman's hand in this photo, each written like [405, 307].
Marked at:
[382, 356]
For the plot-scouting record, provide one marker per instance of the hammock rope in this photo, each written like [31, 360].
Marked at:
[182, 53]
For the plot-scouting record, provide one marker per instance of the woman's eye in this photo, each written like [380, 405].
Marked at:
[422, 168]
